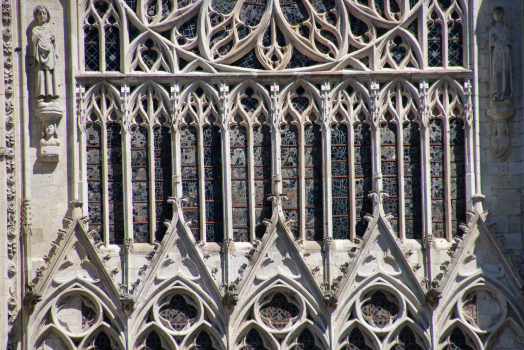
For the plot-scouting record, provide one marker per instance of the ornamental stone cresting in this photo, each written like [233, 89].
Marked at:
[262, 175]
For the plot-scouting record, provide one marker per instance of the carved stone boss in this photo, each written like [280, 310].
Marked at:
[501, 85]
[46, 64]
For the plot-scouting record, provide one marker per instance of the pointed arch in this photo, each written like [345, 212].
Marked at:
[102, 101]
[114, 339]
[268, 341]
[508, 332]
[369, 338]
[207, 335]
[470, 337]
[167, 341]
[408, 332]
[152, 102]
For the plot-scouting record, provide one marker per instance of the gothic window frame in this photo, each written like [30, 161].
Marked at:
[102, 104]
[445, 18]
[198, 107]
[146, 96]
[259, 187]
[291, 116]
[244, 344]
[366, 340]
[102, 23]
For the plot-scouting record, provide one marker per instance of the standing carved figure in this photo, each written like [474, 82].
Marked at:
[46, 57]
[500, 56]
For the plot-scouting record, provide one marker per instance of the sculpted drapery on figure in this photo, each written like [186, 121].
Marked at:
[46, 58]
[501, 85]
[499, 50]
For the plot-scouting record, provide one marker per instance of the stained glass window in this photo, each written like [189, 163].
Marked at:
[457, 173]
[412, 181]
[112, 46]
[313, 182]
[290, 180]
[458, 341]
[95, 185]
[407, 340]
[363, 175]
[114, 189]
[163, 179]
[436, 154]
[279, 312]
[179, 312]
[305, 341]
[340, 149]
[381, 309]
[262, 159]
[239, 183]
[190, 184]
[213, 183]
[434, 43]
[204, 342]
[356, 341]
[140, 181]
[102, 342]
[455, 44]
[153, 341]
[389, 165]
[253, 341]
[91, 48]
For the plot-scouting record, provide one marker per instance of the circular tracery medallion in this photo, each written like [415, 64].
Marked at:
[77, 313]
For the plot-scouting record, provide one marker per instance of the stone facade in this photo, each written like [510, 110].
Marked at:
[331, 174]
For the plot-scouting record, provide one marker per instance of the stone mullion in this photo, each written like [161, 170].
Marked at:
[276, 167]
[469, 146]
[127, 186]
[301, 182]
[176, 151]
[152, 192]
[326, 162]
[400, 175]
[375, 138]
[425, 159]
[201, 184]
[423, 28]
[82, 149]
[105, 191]
[102, 47]
[352, 193]
[227, 199]
[251, 182]
[447, 181]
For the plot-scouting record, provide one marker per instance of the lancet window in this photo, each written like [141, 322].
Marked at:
[102, 44]
[363, 173]
[147, 140]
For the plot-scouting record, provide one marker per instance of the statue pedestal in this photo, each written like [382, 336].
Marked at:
[500, 142]
[50, 114]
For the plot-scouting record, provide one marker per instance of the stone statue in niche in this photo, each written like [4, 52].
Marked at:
[47, 82]
[46, 58]
[501, 84]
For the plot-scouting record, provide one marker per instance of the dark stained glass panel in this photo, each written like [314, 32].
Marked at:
[412, 181]
[190, 184]
[262, 167]
[140, 178]
[313, 182]
[389, 167]
[290, 180]
[240, 183]
[340, 191]
[163, 179]
[436, 154]
[363, 175]
[213, 184]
